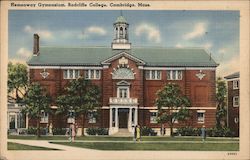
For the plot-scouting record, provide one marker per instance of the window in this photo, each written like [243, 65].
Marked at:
[71, 74]
[21, 120]
[92, 74]
[71, 116]
[200, 117]
[92, 117]
[153, 117]
[153, 74]
[123, 92]
[174, 75]
[236, 100]
[236, 84]
[44, 117]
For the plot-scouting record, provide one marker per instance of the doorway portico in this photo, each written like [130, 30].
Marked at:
[123, 114]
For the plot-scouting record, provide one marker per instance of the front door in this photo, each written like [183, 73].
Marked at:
[123, 118]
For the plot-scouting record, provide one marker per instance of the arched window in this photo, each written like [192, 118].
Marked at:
[123, 73]
[121, 31]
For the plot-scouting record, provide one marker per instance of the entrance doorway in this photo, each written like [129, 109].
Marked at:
[123, 117]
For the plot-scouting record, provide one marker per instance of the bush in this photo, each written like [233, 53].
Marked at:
[210, 132]
[59, 131]
[33, 130]
[97, 131]
[147, 131]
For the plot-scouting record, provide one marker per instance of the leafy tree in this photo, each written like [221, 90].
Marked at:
[171, 97]
[17, 81]
[36, 100]
[221, 92]
[81, 96]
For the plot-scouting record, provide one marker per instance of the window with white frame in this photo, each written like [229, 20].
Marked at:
[123, 92]
[92, 74]
[92, 117]
[71, 74]
[71, 117]
[236, 100]
[174, 75]
[153, 116]
[200, 116]
[236, 84]
[44, 117]
[153, 75]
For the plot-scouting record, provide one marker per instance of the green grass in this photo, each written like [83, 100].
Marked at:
[110, 138]
[154, 146]
[17, 146]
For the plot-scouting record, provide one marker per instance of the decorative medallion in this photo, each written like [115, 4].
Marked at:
[123, 61]
[200, 75]
[44, 73]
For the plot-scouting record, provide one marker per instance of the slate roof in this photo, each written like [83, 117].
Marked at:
[121, 19]
[234, 75]
[173, 57]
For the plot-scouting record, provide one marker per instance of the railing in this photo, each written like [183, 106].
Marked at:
[115, 100]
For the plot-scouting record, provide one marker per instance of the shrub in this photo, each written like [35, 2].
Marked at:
[147, 131]
[59, 131]
[33, 130]
[97, 131]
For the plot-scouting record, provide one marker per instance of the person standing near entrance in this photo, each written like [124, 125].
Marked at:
[138, 133]
[203, 133]
[134, 132]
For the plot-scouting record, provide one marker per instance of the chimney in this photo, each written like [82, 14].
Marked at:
[36, 45]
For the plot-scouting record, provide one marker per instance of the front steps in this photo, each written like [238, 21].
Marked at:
[123, 133]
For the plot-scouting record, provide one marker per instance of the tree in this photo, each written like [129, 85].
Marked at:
[171, 98]
[221, 92]
[81, 97]
[17, 82]
[36, 100]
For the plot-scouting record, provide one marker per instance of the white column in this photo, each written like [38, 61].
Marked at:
[136, 116]
[130, 118]
[16, 119]
[110, 118]
[116, 118]
[27, 121]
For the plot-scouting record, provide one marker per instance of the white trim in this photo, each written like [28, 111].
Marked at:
[179, 68]
[236, 84]
[203, 121]
[194, 108]
[233, 79]
[64, 67]
[234, 101]
[122, 54]
[127, 92]
[201, 111]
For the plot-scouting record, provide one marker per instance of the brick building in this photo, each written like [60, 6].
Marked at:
[129, 78]
[233, 102]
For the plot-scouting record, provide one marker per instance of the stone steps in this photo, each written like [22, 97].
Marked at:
[123, 133]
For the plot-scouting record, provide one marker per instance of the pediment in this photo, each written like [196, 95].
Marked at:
[122, 83]
[123, 55]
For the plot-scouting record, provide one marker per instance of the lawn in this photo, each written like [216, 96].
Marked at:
[154, 146]
[110, 138]
[17, 146]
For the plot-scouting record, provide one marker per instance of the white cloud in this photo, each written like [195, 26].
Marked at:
[178, 45]
[207, 45]
[17, 61]
[198, 31]
[228, 67]
[152, 33]
[24, 53]
[92, 30]
[46, 34]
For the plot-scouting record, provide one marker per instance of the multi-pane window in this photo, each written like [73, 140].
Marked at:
[92, 74]
[21, 120]
[153, 117]
[71, 117]
[236, 84]
[174, 75]
[236, 100]
[44, 117]
[200, 117]
[153, 74]
[92, 117]
[71, 74]
[123, 92]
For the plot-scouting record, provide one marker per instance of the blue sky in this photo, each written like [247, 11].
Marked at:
[217, 31]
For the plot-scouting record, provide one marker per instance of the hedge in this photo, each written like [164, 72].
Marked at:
[97, 131]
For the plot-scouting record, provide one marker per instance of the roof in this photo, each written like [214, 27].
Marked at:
[121, 19]
[179, 57]
[234, 75]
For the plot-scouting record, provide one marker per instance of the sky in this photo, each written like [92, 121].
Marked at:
[216, 31]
